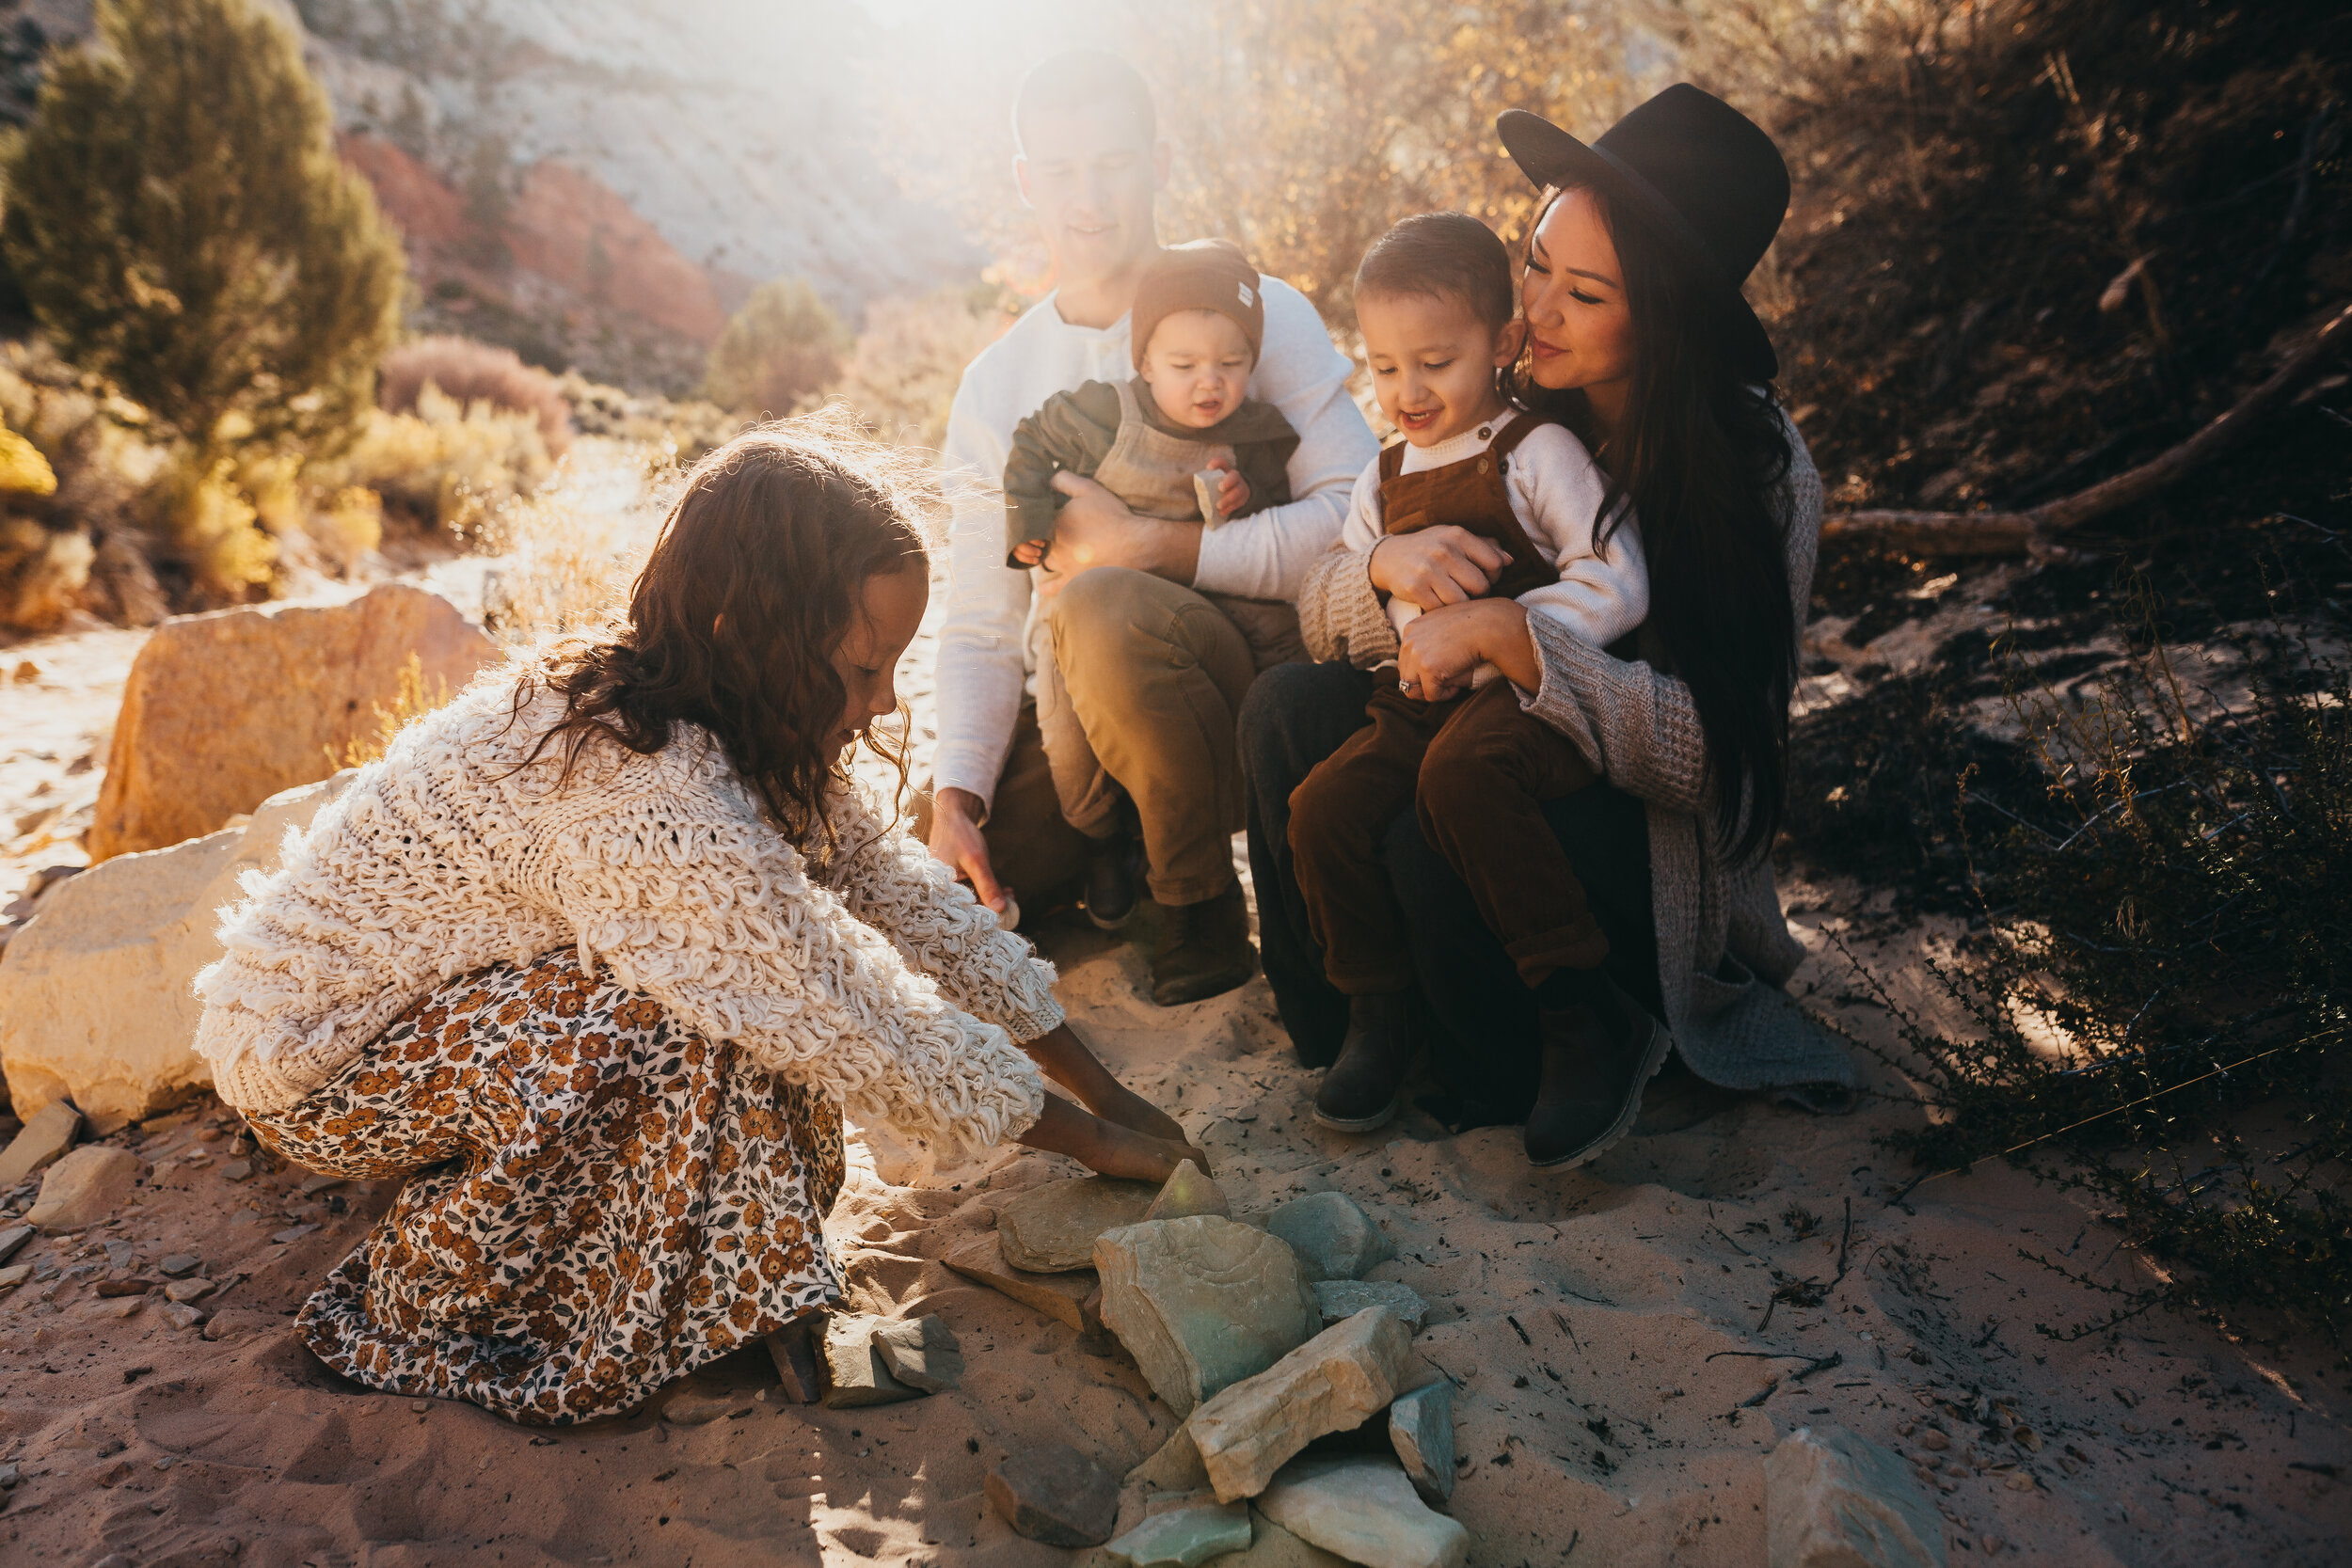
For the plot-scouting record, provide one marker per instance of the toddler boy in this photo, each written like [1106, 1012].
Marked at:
[1435, 301]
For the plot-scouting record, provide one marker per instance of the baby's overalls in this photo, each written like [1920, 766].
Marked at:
[1151, 471]
[1475, 766]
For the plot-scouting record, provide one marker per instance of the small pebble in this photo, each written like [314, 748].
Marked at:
[420, 1406]
[180, 1265]
[317, 1184]
[178, 1314]
[126, 1307]
[1993, 1545]
[187, 1289]
[2020, 1481]
[237, 1170]
[293, 1233]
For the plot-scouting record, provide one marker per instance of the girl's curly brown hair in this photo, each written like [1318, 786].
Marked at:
[750, 584]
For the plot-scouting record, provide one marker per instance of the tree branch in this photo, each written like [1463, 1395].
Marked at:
[2035, 531]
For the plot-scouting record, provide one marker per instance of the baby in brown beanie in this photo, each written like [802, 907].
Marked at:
[1183, 440]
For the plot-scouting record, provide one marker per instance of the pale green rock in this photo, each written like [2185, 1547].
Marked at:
[1184, 1538]
[1332, 1235]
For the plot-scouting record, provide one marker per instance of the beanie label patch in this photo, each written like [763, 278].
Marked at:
[1247, 297]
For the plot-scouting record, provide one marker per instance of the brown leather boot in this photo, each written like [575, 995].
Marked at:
[1204, 949]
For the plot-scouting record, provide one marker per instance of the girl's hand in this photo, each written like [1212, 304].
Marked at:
[1107, 1148]
[1442, 649]
[1435, 566]
[1067, 1061]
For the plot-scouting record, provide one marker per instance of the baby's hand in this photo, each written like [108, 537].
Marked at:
[1029, 551]
[1233, 491]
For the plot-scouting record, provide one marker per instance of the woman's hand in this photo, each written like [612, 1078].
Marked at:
[1107, 1148]
[1438, 652]
[1095, 529]
[1435, 566]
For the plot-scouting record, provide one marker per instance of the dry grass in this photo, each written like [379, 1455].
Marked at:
[473, 372]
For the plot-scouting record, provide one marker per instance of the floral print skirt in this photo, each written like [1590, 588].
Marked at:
[597, 1198]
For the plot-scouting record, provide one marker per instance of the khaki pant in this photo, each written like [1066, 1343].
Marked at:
[1136, 704]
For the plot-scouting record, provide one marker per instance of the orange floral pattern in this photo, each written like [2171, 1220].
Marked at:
[597, 1200]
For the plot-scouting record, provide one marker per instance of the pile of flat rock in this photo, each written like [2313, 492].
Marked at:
[1310, 1430]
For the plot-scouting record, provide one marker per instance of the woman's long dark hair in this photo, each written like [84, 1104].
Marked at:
[1701, 457]
[753, 582]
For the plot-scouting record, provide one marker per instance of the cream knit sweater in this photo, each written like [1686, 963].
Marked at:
[878, 980]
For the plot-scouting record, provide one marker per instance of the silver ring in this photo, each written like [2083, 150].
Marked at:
[1404, 685]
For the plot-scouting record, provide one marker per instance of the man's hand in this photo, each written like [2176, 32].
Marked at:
[1095, 529]
[1435, 566]
[956, 839]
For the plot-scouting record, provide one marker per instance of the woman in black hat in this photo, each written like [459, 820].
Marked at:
[1639, 342]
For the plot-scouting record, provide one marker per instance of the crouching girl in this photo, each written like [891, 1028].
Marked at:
[596, 956]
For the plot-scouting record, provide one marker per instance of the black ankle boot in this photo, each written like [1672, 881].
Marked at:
[1596, 1058]
[1361, 1089]
[1110, 882]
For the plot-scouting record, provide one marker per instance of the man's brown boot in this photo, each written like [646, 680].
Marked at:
[1204, 948]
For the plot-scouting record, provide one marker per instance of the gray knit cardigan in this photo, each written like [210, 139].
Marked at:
[1723, 947]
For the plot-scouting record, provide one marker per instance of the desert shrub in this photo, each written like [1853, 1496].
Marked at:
[902, 372]
[684, 430]
[2034, 241]
[445, 465]
[472, 371]
[2177, 918]
[782, 347]
[183, 227]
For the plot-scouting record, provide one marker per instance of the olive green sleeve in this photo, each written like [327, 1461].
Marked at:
[1072, 430]
[1266, 465]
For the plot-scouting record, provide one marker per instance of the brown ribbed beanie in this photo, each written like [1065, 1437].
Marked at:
[1206, 274]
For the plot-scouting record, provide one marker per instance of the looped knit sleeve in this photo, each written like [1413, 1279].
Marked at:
[893, 884]
[692, 898]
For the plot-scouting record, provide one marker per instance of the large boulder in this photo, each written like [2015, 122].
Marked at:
[96, 1001]
[223, 711]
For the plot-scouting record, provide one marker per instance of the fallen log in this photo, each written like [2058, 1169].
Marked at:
[2035, 531]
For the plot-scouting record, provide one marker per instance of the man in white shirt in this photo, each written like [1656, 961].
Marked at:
[1136, 612]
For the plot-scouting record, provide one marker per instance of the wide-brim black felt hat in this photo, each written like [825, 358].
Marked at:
[1704, 172]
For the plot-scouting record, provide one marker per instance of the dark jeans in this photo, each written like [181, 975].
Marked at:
[1473, 1009]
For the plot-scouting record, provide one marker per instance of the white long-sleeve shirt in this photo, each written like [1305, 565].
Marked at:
[1556, 490]
[985, 647]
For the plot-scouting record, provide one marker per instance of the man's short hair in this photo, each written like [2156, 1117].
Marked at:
[1447, 256]
[1078, 78]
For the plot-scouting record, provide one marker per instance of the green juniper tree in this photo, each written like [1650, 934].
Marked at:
[182, 224]
[783, 346]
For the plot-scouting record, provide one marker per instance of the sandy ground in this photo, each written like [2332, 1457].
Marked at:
[1622, 1365]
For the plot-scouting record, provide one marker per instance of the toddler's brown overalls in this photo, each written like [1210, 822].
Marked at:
[1475, 766]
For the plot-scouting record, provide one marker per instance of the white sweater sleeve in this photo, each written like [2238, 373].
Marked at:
[983, 665]
[1365, 520]
[1265, 555]
[894, 885]
[1603, 591]
[694, 899]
